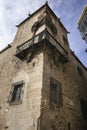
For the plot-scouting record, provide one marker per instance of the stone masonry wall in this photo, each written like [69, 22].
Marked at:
[59, 118]
[22, 116]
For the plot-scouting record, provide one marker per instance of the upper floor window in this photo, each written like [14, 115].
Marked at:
[55, 92]
[16, 93]
[65, 39]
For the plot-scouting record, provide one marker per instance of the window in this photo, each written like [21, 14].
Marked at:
[16, 93]
[40, 37]
[55, 92]
[65, 39]
[35, 26]
[51, 25]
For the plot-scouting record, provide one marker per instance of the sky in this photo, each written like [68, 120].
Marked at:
[13, 12]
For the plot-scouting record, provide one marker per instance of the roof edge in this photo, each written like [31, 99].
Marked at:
[30, 15]
[46, 4]
[5, 48]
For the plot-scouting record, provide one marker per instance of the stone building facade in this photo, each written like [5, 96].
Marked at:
[43, 85]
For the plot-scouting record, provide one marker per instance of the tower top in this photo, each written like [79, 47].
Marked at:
[47, 7]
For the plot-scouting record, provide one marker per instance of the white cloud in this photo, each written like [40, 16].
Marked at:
[11, 14]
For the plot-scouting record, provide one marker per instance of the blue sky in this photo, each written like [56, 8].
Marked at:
[12, 12]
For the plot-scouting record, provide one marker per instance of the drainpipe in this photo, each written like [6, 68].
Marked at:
[39, 122]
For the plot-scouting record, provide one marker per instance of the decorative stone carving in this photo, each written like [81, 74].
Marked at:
[43, 18]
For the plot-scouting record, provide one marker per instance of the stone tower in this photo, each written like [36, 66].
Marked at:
[43, 85]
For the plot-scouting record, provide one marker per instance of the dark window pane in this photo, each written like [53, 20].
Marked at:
[16, 93]
[65, 39]
[53, 96]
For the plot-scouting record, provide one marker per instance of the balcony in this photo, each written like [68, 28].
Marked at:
[25, 48]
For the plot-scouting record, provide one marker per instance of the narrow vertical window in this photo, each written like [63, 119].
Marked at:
[65, 39]
[55, 92]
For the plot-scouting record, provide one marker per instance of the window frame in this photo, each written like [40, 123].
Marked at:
[58, 92]
[18, 101]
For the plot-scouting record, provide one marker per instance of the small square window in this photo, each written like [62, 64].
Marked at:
[16, 93]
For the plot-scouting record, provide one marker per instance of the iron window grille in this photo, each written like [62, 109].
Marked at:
[23, 49]
[55, 92]
[16, 93]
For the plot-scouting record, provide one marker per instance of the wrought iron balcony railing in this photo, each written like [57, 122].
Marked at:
[44, 35]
